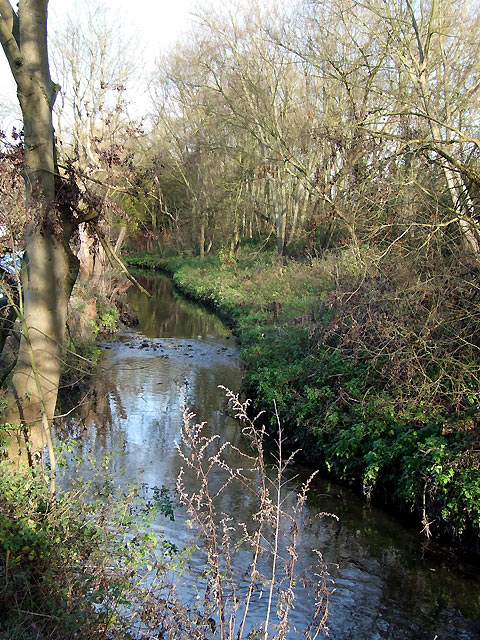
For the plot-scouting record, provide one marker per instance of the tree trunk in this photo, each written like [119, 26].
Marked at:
[279, 213]
[85, 253]
[51, 273]
[120, 241]
[51, 268]
[201, 239]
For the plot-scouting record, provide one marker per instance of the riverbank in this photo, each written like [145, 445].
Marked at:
[335, 402]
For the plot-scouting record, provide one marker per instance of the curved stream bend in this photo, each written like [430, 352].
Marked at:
[389, 583]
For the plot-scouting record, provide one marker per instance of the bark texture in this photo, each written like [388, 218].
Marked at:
[51, 268]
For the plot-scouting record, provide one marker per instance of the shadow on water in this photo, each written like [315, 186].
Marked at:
[168, 314]
[389, 583]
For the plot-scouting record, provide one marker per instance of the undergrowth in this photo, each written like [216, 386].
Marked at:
[78, 567]
[365, 374]
[90, 316]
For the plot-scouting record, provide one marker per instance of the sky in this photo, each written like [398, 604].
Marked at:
[159, 22]
[156, 23]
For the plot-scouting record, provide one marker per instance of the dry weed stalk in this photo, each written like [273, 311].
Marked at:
[118, 580]
[271, 536]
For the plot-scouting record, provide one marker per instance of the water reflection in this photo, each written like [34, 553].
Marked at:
[168, 314]
[389, 584]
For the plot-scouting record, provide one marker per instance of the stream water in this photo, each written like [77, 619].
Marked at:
[389, 582]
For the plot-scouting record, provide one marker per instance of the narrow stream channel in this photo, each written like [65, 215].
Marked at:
[389, 583]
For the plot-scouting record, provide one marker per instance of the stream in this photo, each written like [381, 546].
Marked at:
[389, 582]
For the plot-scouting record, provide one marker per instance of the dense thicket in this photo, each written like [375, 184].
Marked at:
[342, 123]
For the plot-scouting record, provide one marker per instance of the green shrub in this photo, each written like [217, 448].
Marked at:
[75, 568]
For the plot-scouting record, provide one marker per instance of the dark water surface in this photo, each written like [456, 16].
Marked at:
[388, 581]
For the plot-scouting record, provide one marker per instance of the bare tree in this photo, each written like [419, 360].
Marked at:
[94, 58]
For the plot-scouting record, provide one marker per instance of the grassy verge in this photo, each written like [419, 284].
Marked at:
[335, 402]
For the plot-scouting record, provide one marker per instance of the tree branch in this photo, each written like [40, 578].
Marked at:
[10, 34]
[112, 257]
[471, 174]
[416, 30]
